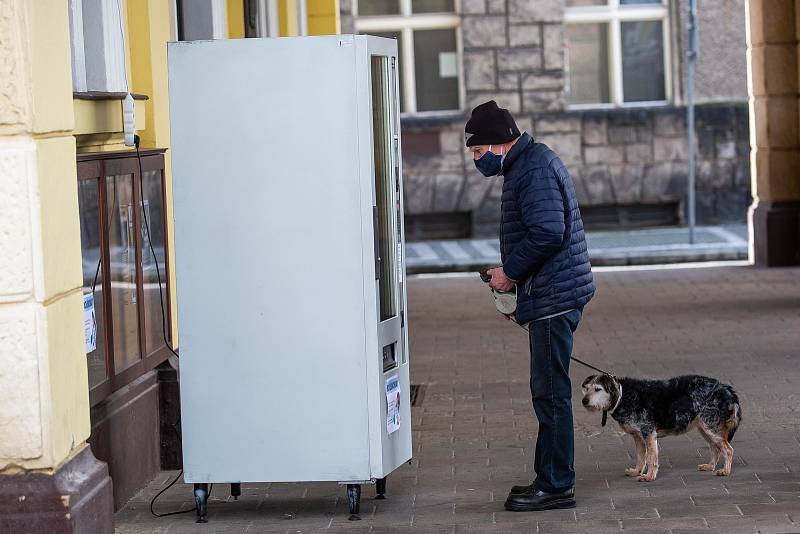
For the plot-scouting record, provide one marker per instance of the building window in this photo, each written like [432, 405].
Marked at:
[617, 52]
[428, 43]
[119, 265]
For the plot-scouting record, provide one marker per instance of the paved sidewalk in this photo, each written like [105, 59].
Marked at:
[629, 247]
[473, 433]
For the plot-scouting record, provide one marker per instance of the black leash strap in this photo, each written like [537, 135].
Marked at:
[573, 358]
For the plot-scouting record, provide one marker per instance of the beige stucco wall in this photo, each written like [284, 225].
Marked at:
[44, 405]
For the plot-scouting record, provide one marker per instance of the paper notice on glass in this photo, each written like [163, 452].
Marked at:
[89, 323]
[392, 404]
[448, 65]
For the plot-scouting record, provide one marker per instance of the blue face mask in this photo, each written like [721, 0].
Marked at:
[490, 164]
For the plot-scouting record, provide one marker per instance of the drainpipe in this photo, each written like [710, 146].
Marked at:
[692, 57]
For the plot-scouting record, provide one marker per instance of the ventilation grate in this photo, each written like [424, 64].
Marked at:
[417, 394]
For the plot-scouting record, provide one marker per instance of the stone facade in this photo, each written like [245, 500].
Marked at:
[514, 52]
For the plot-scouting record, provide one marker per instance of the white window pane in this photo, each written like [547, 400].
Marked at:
[587, 49]
[436, 69]
[378, 7]
[642, 61]
[432, 6]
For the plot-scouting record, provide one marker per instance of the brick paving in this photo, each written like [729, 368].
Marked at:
[473, 433]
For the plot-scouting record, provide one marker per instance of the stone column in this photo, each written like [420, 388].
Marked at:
[772, 48]
[49, 479]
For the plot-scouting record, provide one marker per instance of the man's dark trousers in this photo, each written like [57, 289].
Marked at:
[551, 348]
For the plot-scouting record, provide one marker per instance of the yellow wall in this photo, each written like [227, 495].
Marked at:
[287, 18]
[323, 17]
[235, 19]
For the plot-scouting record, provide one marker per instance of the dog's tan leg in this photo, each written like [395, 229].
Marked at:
[727, 451]
[640, 456]
[712, 447]
[651, 458]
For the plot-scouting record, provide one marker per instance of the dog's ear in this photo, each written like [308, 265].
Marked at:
[588, 380]
[610, 385]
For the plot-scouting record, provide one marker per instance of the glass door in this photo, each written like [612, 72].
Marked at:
[386, 224]
[385, 228]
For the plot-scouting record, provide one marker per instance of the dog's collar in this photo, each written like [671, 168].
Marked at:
[616, 405]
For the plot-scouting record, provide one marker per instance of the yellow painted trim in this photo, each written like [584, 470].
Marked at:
[235, 10]
[105, 116]
[287, 18]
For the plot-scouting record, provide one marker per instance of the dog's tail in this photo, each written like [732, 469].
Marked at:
[735, 418]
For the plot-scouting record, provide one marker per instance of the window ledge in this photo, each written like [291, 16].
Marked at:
[433, 119]
[101, 113]
[106, 95]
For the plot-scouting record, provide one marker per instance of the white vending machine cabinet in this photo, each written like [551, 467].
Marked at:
[288, 214]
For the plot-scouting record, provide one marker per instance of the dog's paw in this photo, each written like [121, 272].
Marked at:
[646, 478]
[722, 472]
[706, 467]
[632, 472]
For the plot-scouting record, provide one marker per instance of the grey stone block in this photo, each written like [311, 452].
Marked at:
[603, 154]
[497, 6]
[473, 7]
[621, 135]
[669, 124]
[626, 181]
[505, 99]
[479, 70]
[669, 148]
[417, 193]
[524, 35]
[594, 131]
[452, 141]
[536, 11]
[518, 59]
[535, 101]
[597, 183]
[558, 124]
[551, 80]
[475, 189]
[639, 153]
[566, 145]
[447, 192]
[483, 31]
[657, 182]
[554, 46]
[508, 80]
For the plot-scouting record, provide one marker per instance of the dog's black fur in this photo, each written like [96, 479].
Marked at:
[655, 408]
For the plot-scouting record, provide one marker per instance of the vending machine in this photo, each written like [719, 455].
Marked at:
[290, 272]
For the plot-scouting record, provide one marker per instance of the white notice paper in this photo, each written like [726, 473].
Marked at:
[448, 65]
[392, 404]
[89, 323]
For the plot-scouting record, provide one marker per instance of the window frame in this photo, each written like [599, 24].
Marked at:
[614, 14]
[406, 23]
[98, 166]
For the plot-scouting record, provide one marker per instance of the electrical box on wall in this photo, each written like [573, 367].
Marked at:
[290, 278]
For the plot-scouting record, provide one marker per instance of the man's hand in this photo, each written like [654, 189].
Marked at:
[499, 280]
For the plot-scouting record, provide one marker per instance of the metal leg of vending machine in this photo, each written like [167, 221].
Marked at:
[236, 490]
[380, 488]
[201, 502]
[354, 501]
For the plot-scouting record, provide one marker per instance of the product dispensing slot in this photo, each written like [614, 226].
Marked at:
[389, 357]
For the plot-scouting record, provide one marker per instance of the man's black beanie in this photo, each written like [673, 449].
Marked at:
[490, 125]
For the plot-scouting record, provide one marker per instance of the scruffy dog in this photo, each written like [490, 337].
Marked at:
[647, 409]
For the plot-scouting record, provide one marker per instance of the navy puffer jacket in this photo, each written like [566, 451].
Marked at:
[542, 243]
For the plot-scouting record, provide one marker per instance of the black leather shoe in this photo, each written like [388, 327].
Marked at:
[516, 490]
[535, 500]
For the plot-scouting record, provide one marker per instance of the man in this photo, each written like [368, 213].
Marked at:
[543, 250]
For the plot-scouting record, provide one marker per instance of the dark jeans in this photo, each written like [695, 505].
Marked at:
[551, 347]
